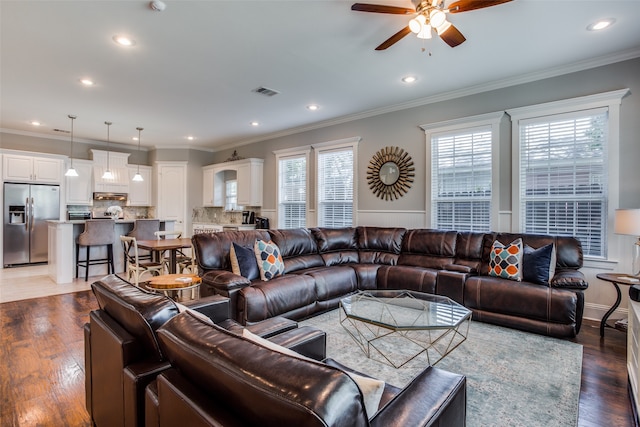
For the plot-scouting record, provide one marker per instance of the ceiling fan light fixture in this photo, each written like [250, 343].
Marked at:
[442, 28]
[437, 18]
[425, 32]
[416, 24]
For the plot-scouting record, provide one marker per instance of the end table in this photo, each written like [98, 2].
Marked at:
[616, 279]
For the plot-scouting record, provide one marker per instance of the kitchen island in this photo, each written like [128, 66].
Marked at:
[62, 248]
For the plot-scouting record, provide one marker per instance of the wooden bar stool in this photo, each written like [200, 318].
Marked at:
[144, 229]
[97, 232]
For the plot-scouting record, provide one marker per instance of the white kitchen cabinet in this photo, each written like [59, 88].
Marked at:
[80, 188]
[117, 165]
[32, 169]
[207, 185]
[170, 190]
[140, 191]
[250, 179]
[247, 172]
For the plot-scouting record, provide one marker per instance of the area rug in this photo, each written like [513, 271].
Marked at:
[514, 378]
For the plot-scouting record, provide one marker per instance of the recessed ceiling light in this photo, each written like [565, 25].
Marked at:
[312, 107]
[190, 138]
[601, 24]
[123, 40]
[409, 79]
[135, 138]
[87, 82]
[35, 123]
[255, 123]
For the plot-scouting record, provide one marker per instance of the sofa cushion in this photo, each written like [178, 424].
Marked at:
[282, 296]
[371, 388]
[243, 261]
[269, 259]
[505, 260]
[337, 245]
[404, 277]
[539, 265]
[298, 249]
[280, 388]
[428, 248]
[140, 312]
[377, 245]
[212, 249]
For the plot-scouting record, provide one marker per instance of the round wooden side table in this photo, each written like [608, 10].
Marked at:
[175, 283]
[616, 279]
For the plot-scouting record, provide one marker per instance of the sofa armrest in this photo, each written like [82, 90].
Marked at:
[135, 379]
[436, 398]
[224, 281]
[569, 279]
[215, 307]
[460, 268]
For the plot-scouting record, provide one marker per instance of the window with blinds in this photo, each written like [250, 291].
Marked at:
[563, 176]
[231, 195]
[461, 179]
[292, 192]
[335, 188]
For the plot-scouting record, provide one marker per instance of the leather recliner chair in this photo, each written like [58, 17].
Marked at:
[122, 354]
[223, 379]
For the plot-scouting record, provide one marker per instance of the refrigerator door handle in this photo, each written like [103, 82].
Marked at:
[32, 214]
[27, 212]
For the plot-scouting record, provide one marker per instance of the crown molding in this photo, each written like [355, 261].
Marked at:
[446, 96]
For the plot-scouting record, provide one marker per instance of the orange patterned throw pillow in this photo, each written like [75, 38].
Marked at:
[269, 259]
[506, 261]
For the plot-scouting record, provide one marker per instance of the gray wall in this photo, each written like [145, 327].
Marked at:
[401, 128]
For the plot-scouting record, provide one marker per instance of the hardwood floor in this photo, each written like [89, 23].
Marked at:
[42, 368]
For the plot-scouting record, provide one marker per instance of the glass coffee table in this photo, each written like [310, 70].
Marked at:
[396, 327]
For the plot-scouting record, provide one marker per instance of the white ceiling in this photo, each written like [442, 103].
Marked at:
[194, 66]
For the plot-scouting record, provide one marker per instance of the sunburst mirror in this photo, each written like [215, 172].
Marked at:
[390, 173]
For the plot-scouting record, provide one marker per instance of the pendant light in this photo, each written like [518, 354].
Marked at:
[137, 177]
[71, 171]
[107, 173]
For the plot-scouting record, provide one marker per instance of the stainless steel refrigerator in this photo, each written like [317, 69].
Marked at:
[27, 207]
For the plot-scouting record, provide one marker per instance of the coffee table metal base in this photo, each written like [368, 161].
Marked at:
[399, 327]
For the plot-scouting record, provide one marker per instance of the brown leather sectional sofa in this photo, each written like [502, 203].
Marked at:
[148, 364]
[323, 265]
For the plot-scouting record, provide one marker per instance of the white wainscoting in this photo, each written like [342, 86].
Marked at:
[406, 219]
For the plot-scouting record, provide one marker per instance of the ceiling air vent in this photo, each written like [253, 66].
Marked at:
[265, 91]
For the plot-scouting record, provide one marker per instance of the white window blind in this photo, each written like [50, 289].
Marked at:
[231, 195]
[292, 192]
[461, 179]
[335, 188]
[563, 185]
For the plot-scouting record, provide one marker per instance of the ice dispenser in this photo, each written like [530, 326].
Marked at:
[17, 214]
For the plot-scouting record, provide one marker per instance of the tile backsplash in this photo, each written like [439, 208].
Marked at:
[208, 215]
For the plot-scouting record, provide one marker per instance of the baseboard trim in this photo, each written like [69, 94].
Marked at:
[597, 311]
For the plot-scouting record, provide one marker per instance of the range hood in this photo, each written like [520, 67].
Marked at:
[100, 195]
[117, 165]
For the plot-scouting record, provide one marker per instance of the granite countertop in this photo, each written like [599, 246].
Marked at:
[82, 221]
[215, 224]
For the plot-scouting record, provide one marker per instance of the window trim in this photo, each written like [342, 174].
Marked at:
[294, 152]
[319, 148]
[610, 100]
[492, 120]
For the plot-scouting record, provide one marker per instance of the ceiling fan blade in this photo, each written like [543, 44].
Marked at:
[467, 5]
[394, 38]
[379, 8]
[452, 36]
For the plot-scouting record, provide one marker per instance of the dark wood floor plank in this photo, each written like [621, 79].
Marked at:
[42, 368]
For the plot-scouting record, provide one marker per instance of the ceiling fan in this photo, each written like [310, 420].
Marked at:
[430, 14]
